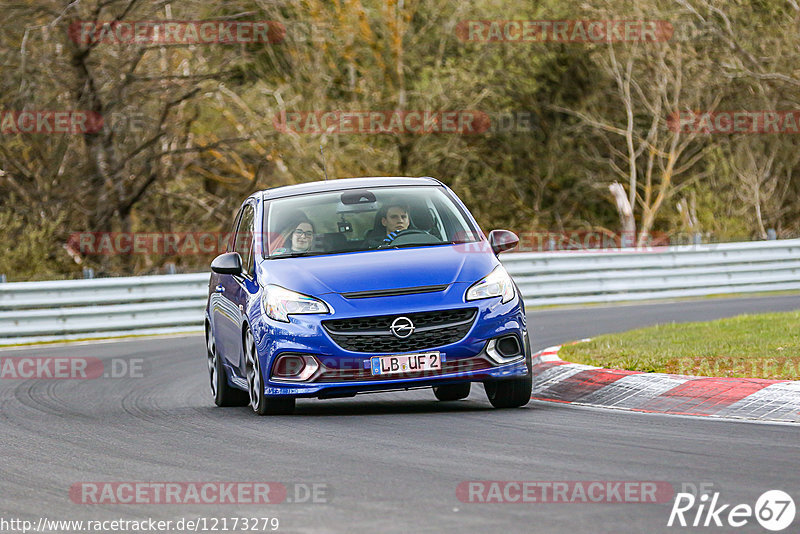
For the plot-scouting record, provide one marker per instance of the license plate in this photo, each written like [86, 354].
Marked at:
[405, 363]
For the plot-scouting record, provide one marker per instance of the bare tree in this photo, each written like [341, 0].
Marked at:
[764, 173]
[651, 83]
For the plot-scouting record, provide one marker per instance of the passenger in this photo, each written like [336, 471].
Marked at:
[299, 236]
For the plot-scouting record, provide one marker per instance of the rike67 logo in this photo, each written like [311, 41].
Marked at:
[774, 510]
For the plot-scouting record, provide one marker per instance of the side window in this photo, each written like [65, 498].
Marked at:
[232, 236]
[244, 239]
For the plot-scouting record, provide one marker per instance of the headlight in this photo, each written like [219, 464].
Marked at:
[278, 303]
[495, 284]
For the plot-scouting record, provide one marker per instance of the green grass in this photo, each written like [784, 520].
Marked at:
[755, 346]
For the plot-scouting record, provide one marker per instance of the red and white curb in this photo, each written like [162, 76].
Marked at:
[741, 398]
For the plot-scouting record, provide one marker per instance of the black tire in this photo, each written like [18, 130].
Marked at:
[452, 392]
[224, 395]
[260, 403]
[512, 393]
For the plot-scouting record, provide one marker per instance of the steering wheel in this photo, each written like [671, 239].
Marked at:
[403, 233]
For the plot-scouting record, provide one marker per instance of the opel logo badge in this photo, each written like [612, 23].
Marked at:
[402, 327]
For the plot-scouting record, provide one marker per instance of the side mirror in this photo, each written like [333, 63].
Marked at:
[502, 240]
[228, 263]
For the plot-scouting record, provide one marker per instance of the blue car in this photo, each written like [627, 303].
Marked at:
[334, 288]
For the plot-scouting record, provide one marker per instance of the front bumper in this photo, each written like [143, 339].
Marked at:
[346, 373]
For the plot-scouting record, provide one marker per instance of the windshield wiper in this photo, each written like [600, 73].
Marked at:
[296, 255]
[406, 245]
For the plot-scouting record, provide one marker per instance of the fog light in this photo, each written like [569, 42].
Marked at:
[294, 367]
[504, 350]
[508, 346]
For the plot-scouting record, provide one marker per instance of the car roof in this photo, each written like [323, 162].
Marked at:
[343, 183]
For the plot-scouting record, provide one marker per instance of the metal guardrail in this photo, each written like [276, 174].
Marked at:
[83, 309]
[104, 307]
[668, 272]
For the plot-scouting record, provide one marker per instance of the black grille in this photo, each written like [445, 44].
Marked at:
[371, 334]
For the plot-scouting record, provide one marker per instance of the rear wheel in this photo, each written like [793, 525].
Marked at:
[260, 403]
[224, 394]
[452, 392]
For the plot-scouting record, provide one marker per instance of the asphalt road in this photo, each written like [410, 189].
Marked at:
[390, 462]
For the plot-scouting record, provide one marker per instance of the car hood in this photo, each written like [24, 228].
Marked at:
[380, 269]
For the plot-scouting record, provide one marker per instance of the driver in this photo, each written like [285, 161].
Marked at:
[395, 221]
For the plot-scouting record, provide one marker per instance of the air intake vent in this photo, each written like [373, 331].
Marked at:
[394, 292]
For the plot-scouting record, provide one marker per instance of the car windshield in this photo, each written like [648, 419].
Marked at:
[364, 219]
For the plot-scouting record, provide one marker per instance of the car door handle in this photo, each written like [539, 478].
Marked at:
[220, 289]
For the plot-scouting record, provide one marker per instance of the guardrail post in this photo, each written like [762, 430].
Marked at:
[3, 278]
[772, 235]
[88, 273]
[170, 268]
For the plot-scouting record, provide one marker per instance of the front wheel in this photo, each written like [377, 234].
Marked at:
[515, 392]
[509, 393]
[260, 403]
